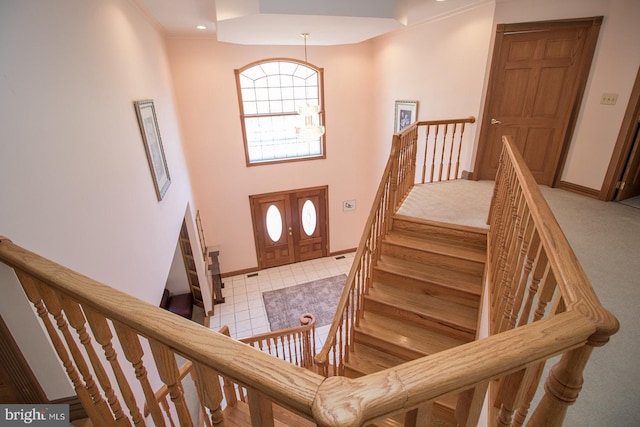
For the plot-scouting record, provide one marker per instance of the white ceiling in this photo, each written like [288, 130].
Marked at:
[281, 22]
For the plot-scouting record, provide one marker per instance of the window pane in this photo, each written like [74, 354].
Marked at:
[272, 92]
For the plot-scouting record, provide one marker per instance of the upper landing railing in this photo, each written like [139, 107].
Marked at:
[117, 349]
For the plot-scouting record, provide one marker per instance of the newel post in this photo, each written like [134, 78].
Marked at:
[561, 388]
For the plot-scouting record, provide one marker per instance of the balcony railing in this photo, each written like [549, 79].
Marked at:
[117, 349]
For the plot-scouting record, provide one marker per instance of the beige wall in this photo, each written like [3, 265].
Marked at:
[75, 184]
[204, 82]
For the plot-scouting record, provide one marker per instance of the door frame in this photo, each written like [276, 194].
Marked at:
[593, 30]
[623, 145]
[293, 220]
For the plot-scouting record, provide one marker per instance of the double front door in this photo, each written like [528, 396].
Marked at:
[290, 226]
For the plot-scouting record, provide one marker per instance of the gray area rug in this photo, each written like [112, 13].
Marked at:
[319, 297]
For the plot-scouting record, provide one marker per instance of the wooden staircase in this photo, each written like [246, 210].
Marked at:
[424, 298]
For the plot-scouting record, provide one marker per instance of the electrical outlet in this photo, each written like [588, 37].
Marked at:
[609, 99]
[349, 205]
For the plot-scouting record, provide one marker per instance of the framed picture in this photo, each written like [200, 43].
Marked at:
[406, 113]
[153, 146]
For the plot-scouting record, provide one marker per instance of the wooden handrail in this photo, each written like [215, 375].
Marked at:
[541, 305]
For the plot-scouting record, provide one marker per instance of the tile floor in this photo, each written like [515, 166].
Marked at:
[243, 310]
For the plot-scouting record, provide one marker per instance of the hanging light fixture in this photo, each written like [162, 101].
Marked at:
[311, 129]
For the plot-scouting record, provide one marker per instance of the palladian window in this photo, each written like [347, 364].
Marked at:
[282, 112]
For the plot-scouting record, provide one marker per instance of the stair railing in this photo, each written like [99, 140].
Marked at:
[90, 325]
[531, 266]
[440, 141]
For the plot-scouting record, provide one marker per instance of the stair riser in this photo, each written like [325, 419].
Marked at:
[426, 287]
[438, 325]
[393, 349]
[432, 258]
[478, 239]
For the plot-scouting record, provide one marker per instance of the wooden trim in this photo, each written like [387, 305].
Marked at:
[594, 24]
[17, 368]
[579, 189]
[623, 145]
[76, 410]
[589, 49]
[342, 252]
[239, 272]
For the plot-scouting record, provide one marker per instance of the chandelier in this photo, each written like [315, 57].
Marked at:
[311, 113]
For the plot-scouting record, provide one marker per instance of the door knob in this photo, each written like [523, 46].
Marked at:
[290, 231]
[495, 122]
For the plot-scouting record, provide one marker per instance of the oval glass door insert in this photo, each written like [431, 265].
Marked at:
[309, 217]
[274, 223]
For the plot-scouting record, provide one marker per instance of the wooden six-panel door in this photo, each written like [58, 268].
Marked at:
[538, 75]
[290, 226]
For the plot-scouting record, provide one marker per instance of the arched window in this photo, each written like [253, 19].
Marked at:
[271, 95]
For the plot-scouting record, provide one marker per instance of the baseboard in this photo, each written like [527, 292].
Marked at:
[76, 410]
[239, 272]
[579, 189]
[342, 252]
[254, 269]
[467, 175]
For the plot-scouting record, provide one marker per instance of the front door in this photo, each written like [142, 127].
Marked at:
[537, 78]
[290, 226]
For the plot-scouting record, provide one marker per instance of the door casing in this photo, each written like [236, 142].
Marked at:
[294, 244]
[551, 161]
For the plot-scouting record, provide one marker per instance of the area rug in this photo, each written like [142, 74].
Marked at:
[319, 297]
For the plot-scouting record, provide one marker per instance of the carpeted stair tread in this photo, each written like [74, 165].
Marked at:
[438, 246]
[402, 338]
[459, 280]
[425, 306]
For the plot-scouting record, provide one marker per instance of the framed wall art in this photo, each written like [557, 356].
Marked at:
[406, 113]
[153, 146]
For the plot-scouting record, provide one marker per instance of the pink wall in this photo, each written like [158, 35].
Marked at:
[75, 181]
[206, 98]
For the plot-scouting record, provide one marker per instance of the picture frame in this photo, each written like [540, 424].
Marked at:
[146, 113]
[406, 114]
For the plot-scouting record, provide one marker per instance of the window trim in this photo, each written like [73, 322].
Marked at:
[243, 116]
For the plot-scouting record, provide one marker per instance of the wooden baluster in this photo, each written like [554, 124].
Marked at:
[54, 305]
[95, 406]
[469, 406]
[509, 217]
[444, 143]
[453, 135]
[515, 261]
[521, 414]
[545, 294]
[525, 265]
[534, 270]
[132, 350]
[512, 390]
[433, 158]
[103, 336]
[426, 150]
[209, 392]
[459, 151]
[167, 410]
[419, 417]
[260, 409]
[170, 375]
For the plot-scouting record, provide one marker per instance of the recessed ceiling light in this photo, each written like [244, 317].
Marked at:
[201, 27]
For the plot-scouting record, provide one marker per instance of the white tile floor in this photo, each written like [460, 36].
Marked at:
[243, 310]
